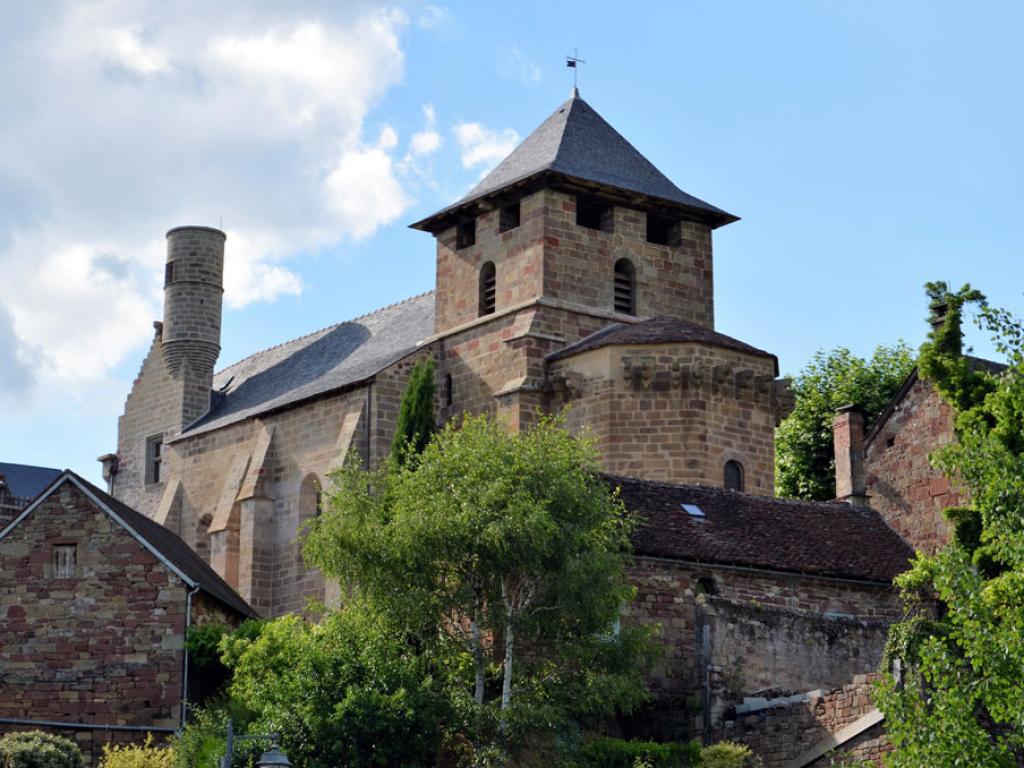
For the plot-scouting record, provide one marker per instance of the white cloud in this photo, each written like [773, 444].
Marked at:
[16, 365]
[428, 140]
[513, 64]
[433, 17]
[132, 117]
[126, 49]
[481, 146]
[363, 191]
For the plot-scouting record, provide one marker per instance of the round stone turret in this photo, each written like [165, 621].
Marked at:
[193, 290]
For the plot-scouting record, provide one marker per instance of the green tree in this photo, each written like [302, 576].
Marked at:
[804, 456]
[960, 701]
[346, 690]
[416, 423]
[505, 555]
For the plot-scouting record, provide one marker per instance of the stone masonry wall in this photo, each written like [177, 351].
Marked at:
[781, 734]
[103, 647]
[765, 631]
[676, 412]
[902, 484]
[150, 410]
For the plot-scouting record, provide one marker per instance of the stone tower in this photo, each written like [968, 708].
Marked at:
[193, 289]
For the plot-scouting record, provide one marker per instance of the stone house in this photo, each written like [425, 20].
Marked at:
[95, 601]
[574, 276]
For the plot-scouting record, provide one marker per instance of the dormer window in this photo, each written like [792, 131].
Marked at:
[465, 235]
[593, 214]
[508, 217]
[488, 288]
[625, 287]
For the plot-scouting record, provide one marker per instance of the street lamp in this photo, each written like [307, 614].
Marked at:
[272, 758]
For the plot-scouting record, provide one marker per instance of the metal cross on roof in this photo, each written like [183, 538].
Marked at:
[574, 61]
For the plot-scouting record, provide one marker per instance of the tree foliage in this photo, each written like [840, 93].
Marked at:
[502, 556]
[804, 458]
[961, 698]
[346, 690]
[416, 423]
[38, 749]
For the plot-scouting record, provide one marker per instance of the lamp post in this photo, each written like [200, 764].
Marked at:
[272, 758]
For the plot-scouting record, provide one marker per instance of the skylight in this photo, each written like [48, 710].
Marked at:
[693, 510]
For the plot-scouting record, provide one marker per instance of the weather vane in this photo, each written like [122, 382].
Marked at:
[574, 61]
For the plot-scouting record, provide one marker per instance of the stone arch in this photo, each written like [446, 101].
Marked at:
[308, 582]
[733, 479]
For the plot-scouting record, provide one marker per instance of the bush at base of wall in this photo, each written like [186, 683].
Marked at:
[146, 755]
[36, 749]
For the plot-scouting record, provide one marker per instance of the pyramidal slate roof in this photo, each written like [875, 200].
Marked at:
[327, 360]
[576, 143]
[161, 541]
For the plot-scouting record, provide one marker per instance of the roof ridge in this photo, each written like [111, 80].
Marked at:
[724, 492]
[325, 328]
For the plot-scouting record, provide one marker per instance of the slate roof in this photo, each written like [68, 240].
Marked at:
[816, 538]
[577, 143]
[26, 481]
[328, 360]
[976, 363]
[657, 330]
[163, 540]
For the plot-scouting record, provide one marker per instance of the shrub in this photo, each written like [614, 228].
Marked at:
[146, 755]
[619, 753]
[727, 754]
[35, 749]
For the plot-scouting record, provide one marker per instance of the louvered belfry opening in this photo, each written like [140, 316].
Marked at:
[488, 288]
[625, 287]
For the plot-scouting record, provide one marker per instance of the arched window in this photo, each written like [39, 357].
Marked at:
[488, 288]
[733, 476]
[625, 287]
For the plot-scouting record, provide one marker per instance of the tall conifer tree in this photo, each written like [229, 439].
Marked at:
[416, 422]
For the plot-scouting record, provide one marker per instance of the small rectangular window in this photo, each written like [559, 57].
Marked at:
[593, 214]
[65, 559]
[662, 231]
[465, 235]
[508, 217]
[168, 273]
[154, 458]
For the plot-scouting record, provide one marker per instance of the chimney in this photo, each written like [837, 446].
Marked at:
[848, 438]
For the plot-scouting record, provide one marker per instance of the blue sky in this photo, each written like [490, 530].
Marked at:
[868, 147]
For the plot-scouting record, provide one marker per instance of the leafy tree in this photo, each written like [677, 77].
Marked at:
[38, 749]
[503, 556]
[960, 701]
[804, 456]
[416, 423]
[346, 690]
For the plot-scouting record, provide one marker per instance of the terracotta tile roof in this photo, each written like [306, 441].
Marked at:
[817, 538]
[576, 143]
[657, 330]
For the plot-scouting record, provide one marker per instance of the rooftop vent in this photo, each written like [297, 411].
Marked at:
[693, 510]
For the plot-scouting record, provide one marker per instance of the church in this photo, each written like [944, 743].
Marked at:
[574, 276]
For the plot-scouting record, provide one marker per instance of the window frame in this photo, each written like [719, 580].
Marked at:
[487, 299]
[741, 474]
[154, 459]
[64, 561]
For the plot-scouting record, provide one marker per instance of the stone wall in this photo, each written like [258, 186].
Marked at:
[901, 482]
[782, 733]
[764, 631]
[103, 647]
[676, 412]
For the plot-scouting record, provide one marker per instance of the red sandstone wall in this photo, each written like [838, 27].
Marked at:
[908, 492]
[778, 735]
[103, 647]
